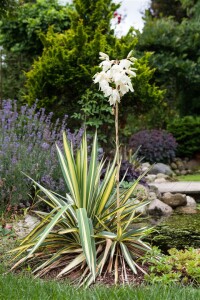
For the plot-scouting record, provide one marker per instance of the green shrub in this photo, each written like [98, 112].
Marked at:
[187, 133]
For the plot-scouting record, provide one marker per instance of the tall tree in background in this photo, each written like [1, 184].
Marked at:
[65, 69]
[161, 8]
[62, 77]
[20, 39]
[176, 47]
[7, 7]
[178, 9]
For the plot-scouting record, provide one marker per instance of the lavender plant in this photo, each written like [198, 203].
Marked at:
[27, 143]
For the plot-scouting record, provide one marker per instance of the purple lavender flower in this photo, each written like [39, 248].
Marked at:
[27, 143]
[45, 146]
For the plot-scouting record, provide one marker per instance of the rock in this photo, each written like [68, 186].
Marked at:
[150, 177]
[174, 200]
[157, 207]
[161, 175]
[186, 210]
[23, 227]
[190, 202]
[140, 210]
[161, 168]
[193, 164]
[152, 196]
[31, 221]
[173, 166]
[20, 229]
[154, 189]
[183, 172]
[141, 192]
[160, 180]
[145, 166]
[180, 165]
[177, 172]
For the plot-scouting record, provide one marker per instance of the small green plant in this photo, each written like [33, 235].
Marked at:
[180, 266]
[96, 115]
[5, 231]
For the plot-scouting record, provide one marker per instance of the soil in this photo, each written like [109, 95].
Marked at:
[106, 279]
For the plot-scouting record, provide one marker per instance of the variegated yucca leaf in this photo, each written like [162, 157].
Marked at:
[80, 233]
[87, 239]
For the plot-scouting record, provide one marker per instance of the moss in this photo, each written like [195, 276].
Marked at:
[177, 231]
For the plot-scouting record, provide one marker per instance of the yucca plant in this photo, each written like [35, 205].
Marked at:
[80, 233]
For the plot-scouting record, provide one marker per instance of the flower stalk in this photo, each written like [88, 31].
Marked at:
[115, 81]
[118, 162]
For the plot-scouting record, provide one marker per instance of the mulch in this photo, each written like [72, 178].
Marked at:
[106, 279]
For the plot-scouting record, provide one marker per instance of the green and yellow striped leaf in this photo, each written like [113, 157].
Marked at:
[87, 239]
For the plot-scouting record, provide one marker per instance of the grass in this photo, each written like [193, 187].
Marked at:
[189, 177]
[20, 287]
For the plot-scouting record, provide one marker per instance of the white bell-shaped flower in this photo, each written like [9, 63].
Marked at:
[114, 79]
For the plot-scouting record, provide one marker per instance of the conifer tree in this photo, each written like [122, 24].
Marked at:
[20, 39]
[176, 56]
[7, 7]
[62, 77]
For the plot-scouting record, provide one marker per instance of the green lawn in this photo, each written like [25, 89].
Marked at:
[18, 287]
[189, 177]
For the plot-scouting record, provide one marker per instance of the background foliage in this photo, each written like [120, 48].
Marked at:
[65, 57]
[62, 76]
[187, 133]
[174, 39]
[20, 39]
[7, 7]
